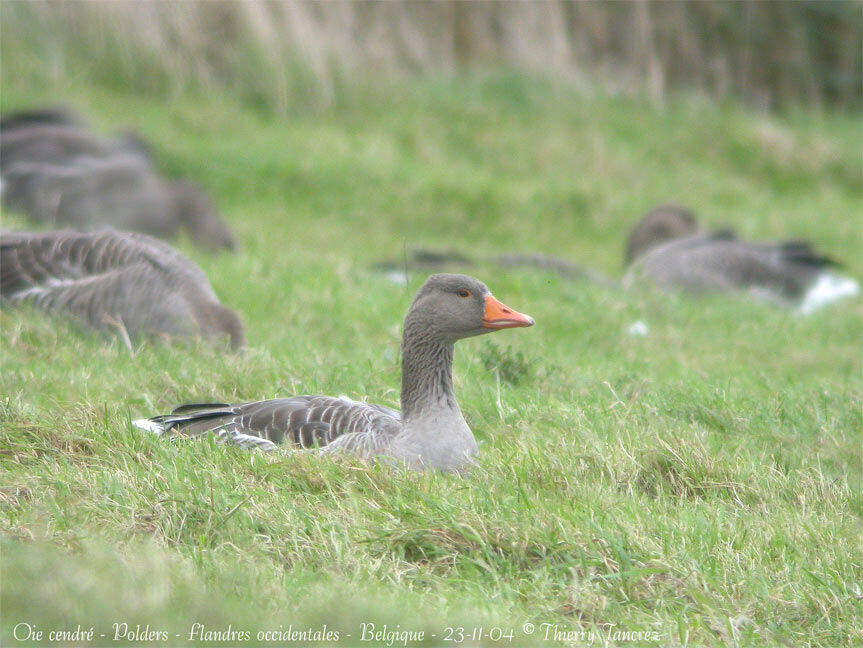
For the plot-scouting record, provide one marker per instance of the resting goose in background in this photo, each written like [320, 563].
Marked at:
[114, 280]
[430, 431]
[120, 191]
[668, 248]
[659, 225]
[67, 176]
[59, 144]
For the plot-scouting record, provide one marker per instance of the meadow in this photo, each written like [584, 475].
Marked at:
[701, 485]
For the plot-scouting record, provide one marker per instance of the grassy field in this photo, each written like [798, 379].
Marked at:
[702, 485]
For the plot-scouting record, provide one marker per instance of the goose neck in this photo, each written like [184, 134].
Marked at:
[426, 374]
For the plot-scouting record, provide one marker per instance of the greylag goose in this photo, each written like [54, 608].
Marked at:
[114, 279]
[659, 225]
[59, 143]
[120, 191]
[430, 431]
[669, 249]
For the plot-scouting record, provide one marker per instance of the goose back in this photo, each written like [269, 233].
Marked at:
[119, 190]
[57, 144]
[192, 209]
[306, 421]
[699, 264]
[105, 278]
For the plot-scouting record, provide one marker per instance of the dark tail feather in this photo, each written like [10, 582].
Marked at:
[802, 252]
[53, 115]
[186, 413]
[201, 408]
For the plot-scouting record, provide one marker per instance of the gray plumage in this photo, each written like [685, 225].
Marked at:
[668, 249]
[59, 144]
[109, 279]
[430, 431]
[120, 191]
[69, 177]
[305, 421]
[778, 272]
[660, 225]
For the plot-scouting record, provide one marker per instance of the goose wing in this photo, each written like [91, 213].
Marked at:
[120, 190]
[108, 277]
[54, 144]
[306, 421]
[719, 263]
[32, 259]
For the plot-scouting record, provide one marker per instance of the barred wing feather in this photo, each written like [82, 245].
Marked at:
[306, 421]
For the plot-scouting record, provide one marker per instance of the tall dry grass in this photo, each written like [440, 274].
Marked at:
[304, 52]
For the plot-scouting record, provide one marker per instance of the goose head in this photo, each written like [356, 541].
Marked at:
[449, 307]
[659, 225]
[196, 212]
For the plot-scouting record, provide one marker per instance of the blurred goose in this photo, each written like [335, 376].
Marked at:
[658, 226]
[59, 144]
[114, 279]
[120, 191]
[668, 248]
[430, 431]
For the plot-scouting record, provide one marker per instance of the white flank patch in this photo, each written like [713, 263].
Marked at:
[45, 288]
[149, 426]
[2, 184]
[637, 329]
[397, 277]
[828, 289]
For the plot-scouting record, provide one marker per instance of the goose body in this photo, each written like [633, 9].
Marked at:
[108, 279]
[67, 176]
[669, 250]
[59, 144]
[429, 432]
[120, 191]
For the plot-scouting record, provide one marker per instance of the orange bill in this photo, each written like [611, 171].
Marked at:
[500, 316]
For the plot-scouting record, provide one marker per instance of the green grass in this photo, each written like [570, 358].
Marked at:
[704, 483]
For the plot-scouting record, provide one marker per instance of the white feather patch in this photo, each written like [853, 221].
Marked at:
[149, 426]
[637, 329]
[397, 277]
[826, 290]
[45, 288]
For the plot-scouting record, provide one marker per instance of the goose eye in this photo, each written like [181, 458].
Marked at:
[464, 293]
